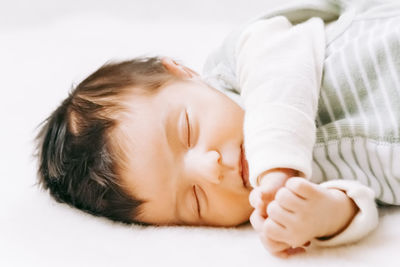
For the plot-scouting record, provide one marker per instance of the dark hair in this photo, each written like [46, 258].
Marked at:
[78, 162]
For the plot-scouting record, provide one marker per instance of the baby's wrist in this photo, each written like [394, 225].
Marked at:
[348, 209]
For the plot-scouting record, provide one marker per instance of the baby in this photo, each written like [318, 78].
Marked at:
[149, 141]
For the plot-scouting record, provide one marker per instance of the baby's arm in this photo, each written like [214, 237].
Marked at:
[279, 67]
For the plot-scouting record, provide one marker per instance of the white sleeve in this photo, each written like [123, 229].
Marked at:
[279, 67]
[364, 221]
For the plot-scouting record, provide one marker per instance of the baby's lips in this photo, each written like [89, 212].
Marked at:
[293, 251]
[244, 168]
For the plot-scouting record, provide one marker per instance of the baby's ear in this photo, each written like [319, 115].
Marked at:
[177, 69]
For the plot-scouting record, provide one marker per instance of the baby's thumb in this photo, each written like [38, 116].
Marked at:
[257, 202]
[255, 198]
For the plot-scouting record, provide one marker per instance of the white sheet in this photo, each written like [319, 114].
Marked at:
[45, 47]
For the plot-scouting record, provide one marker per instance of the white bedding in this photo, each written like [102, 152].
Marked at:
[45, 48]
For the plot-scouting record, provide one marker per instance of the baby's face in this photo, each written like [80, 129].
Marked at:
[184, 156]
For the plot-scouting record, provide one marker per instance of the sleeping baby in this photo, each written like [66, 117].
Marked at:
[293, 126]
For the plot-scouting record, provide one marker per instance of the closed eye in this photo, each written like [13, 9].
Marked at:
[188, 128]
[197, 200]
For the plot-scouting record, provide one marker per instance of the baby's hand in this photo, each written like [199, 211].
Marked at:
[303, 211]
[260, 197]
[270, 182]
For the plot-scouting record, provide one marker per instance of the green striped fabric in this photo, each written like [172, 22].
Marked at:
[359, 109]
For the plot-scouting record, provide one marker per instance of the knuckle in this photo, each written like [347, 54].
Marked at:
[253, 198]
[252, 221]
[255, 221]
[281, 195]
[272, 209]
[268, 228]
[267, 197]
[295, 183]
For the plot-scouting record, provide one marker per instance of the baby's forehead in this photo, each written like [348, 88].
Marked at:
[139, 126]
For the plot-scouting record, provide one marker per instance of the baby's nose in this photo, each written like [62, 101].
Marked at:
[204, 165]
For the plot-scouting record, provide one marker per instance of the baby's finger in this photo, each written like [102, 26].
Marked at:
[268, 189]
[275, 231]
[274, 246]
[289, 200]
[255, 198]
[257, 221]
[267, 196]
[257, 203]
[301, 187]
[280, 215]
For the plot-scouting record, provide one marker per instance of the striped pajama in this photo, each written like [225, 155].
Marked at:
[359, 109]
[357, 138]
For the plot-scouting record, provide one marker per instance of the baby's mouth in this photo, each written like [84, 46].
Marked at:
[244, 168]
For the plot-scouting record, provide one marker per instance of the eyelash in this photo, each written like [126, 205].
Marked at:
[197, 200]
[188, 128]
